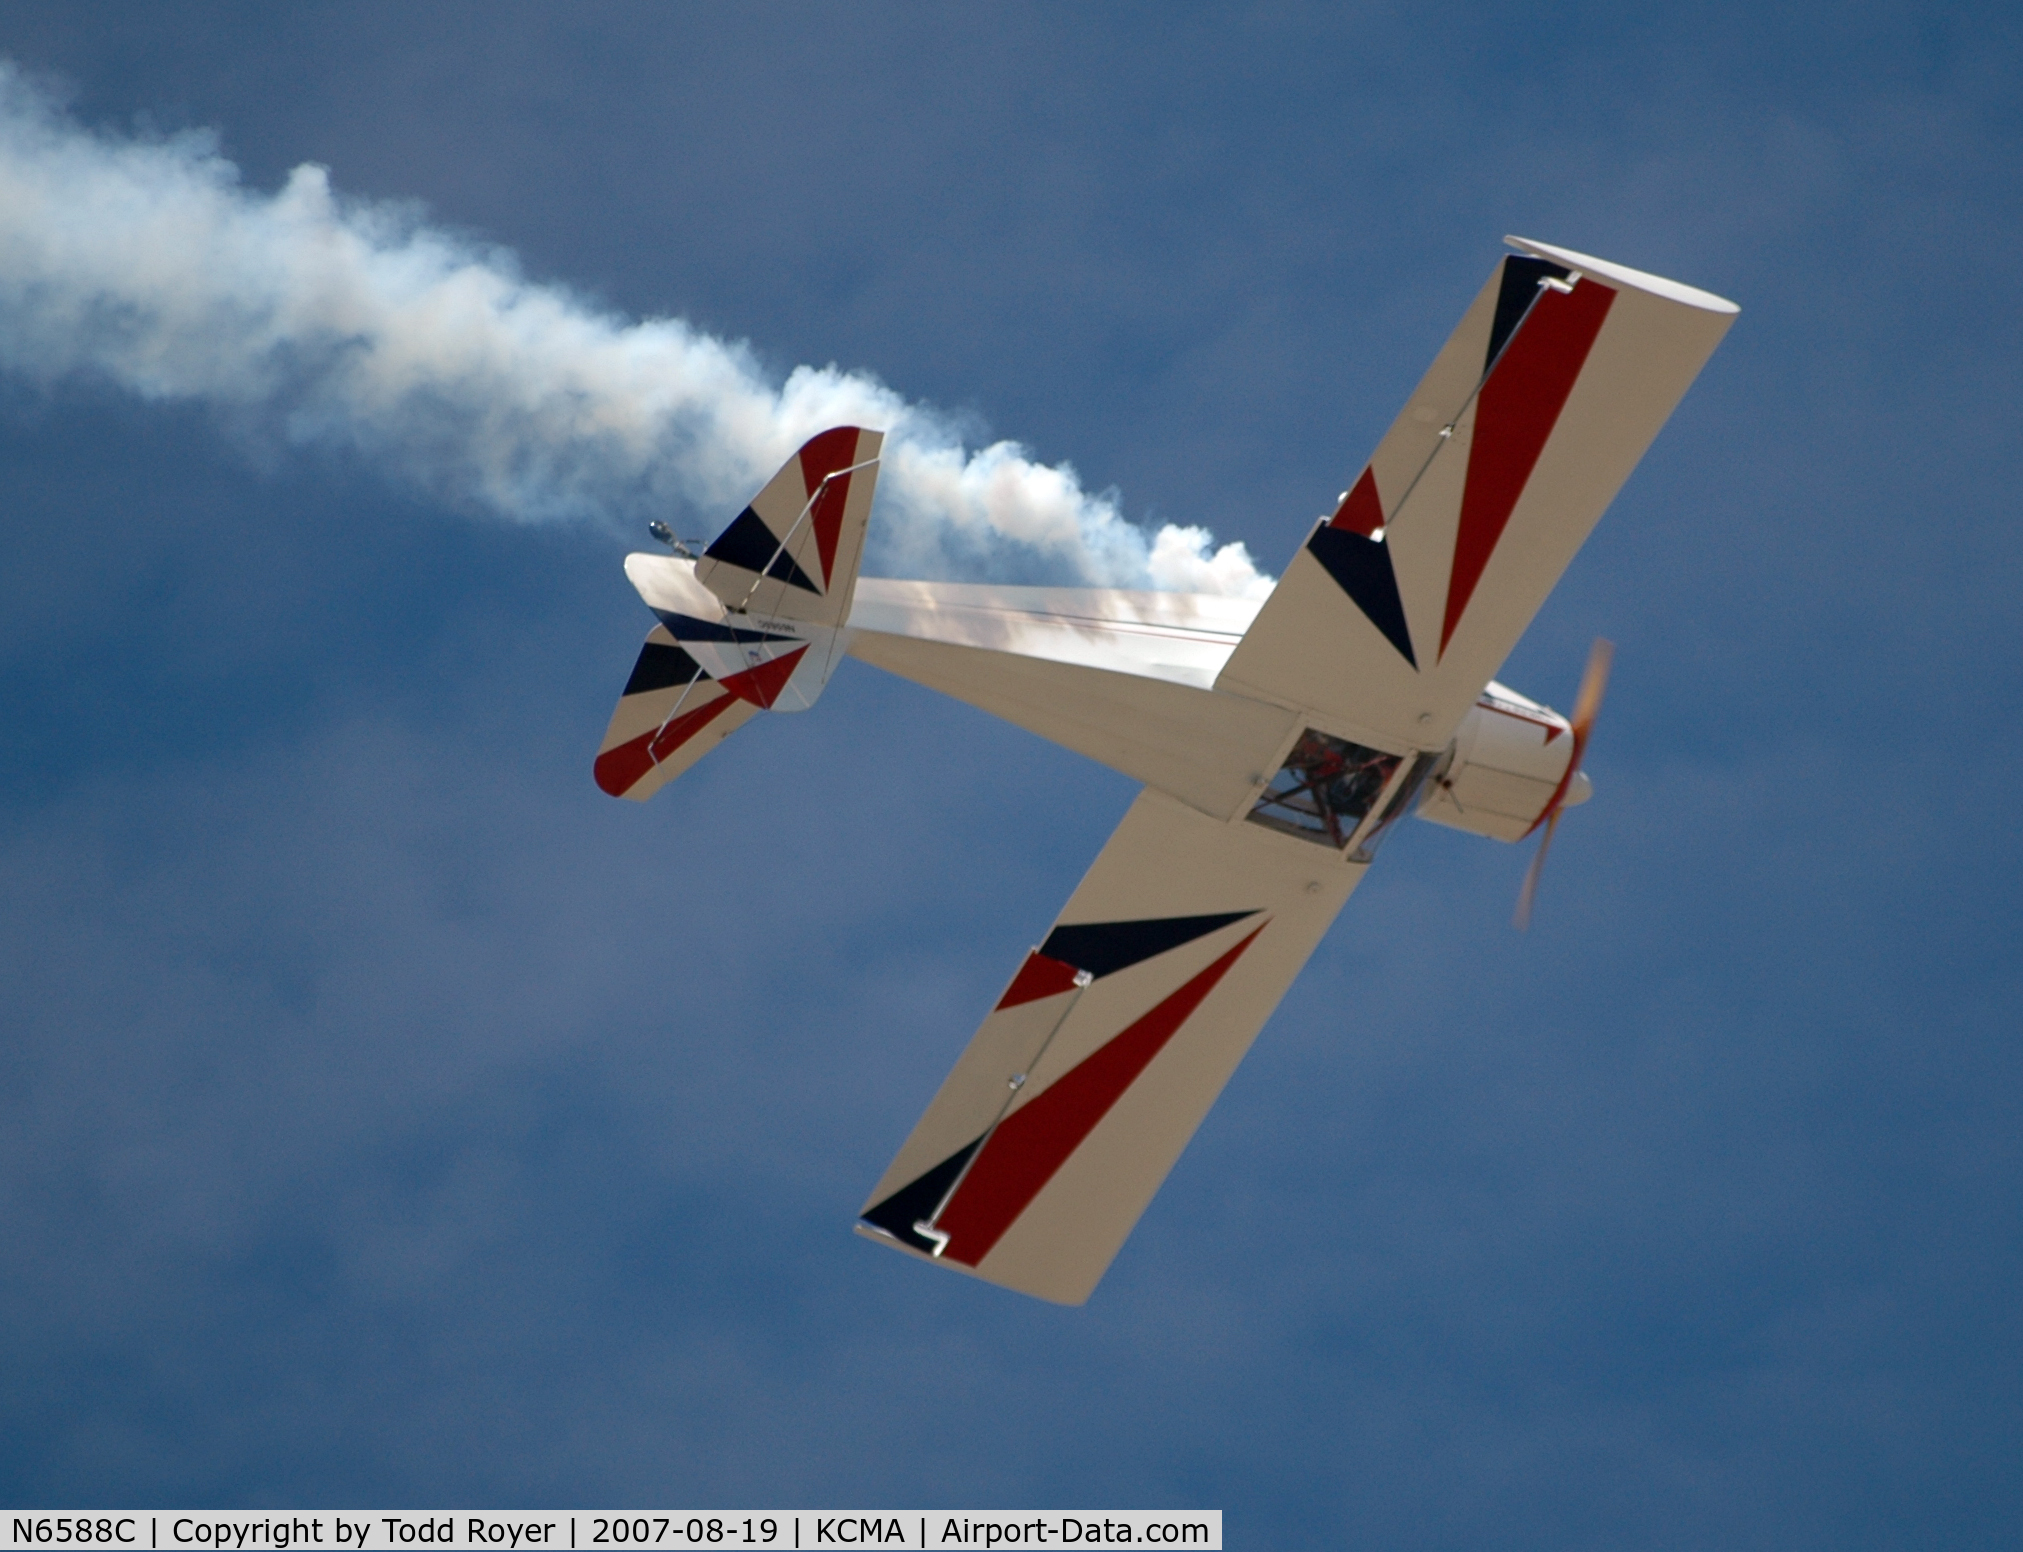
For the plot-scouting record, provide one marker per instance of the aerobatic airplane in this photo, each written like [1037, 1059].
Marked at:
[1278, 742]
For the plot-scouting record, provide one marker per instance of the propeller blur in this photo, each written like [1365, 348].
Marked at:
[1594, 684]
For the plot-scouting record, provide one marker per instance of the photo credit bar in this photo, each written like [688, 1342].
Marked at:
[598, 1530]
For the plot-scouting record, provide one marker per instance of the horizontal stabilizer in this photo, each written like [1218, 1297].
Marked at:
[670, 715]
[703, 673]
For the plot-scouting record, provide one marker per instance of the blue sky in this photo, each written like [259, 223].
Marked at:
[386, 1115]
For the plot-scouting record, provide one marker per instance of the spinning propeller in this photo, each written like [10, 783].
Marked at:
[1592, 684]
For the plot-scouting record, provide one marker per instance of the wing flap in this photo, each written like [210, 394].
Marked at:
[1071, 1104]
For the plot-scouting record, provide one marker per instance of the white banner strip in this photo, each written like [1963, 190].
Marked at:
[784, 1530]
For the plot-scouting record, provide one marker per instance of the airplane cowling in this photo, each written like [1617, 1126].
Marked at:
[1509, 758]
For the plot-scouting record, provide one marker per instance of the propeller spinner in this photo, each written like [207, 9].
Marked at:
[1594, 682]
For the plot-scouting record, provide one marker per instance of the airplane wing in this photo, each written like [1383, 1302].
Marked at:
[1072, 1102]
[1404, 603]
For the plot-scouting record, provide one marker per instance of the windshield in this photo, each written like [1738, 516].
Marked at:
[1324, 790]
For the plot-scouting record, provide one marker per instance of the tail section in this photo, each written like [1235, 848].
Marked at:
[755, 625]
[793, 553]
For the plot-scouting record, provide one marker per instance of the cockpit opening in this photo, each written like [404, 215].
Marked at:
[1325, 789]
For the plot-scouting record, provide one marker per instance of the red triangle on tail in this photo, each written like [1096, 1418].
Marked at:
[762, 684]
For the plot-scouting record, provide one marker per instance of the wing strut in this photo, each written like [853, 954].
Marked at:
[1549, 275]
[926, 1227]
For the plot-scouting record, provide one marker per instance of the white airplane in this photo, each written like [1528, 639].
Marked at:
[1279, 742]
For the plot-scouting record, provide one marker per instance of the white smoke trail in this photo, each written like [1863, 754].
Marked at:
[348, 325]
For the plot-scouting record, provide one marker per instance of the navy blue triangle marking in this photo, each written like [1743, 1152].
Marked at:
[1103, 948]
[1362, 569]
[905, 1207]
[1521, 275]
[661, 667]
[749, 543]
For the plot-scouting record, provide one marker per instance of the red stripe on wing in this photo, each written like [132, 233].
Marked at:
[1514, 417]
[1034, 1141]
